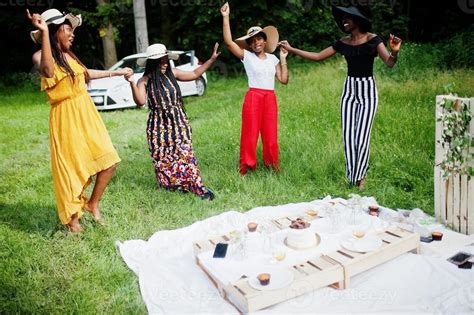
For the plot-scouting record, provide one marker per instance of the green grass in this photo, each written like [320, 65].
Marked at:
[43, 269]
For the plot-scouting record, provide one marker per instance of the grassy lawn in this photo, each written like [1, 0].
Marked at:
[43, 269]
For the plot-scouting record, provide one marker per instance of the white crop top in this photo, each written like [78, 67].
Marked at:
[260, 72]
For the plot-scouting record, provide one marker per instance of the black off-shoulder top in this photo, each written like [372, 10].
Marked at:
[360, 58]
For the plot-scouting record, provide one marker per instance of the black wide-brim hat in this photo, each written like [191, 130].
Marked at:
[339, 12]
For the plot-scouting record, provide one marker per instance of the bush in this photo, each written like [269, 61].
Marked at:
[26, 81]
[457, 51]
[416, 59]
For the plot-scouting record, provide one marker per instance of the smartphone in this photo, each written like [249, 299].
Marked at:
[220, 251]
[466, 265]
[460, 258]
[427, 239]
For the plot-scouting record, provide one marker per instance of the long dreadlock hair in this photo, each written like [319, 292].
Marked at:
[152, 68]
[58, 54]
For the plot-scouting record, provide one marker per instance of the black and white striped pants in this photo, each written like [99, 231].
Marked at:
[359, 102]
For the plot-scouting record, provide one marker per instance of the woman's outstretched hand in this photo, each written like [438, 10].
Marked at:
[395, 43]
[215, 53]
[225, 9]
[37, 21]
[283, 52]
[285, 45]
[128, 74]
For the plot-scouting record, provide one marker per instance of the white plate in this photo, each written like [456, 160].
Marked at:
[366, 244]
[279, 278]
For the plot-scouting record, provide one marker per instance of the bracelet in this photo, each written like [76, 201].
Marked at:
[283, 64]
[110, 74]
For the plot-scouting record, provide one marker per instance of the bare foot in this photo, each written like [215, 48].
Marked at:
[74, 226]
[95, 213]
[361, 183]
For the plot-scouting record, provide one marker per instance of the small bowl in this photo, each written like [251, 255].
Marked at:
[437, 236]
[264, 278]
[252, 226]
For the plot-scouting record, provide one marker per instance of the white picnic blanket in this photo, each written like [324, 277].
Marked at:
[171, 282]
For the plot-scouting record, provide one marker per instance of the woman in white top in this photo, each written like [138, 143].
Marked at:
[259, 111]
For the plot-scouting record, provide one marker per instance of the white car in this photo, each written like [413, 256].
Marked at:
[115, 92]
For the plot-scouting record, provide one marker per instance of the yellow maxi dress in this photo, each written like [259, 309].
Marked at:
[80, 145]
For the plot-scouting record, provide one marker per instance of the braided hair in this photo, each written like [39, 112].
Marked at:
[152, 69]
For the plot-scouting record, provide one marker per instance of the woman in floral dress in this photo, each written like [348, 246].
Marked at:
[168, 130]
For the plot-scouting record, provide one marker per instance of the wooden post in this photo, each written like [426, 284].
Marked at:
[454, 196]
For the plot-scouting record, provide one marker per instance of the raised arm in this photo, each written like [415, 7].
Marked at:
[43, 61]
[193, 75]
[99, 74]
[231, 45]
[390, 58]
[138, 90]
[314, 56]
[282, 67]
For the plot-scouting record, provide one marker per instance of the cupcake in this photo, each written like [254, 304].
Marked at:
[264, 278]
[374, 210]
[252, 226]
[312, 213]
[437, 236]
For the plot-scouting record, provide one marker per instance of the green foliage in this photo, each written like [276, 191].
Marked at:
[20, 80]
[43, 269]
[390, 17]
[415, 59]
[456, 137]
[457, 51]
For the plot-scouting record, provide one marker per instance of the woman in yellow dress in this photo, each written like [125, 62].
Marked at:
[80, 145]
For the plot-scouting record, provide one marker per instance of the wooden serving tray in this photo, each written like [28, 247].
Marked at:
[333, 269]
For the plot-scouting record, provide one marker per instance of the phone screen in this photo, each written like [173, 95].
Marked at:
[459, 258]
[220, 251]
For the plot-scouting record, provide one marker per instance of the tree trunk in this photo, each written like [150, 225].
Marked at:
[165, 25]
[141, 31]
[108, 41]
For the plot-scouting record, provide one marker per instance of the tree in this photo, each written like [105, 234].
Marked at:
[107, 34]
[141, 31]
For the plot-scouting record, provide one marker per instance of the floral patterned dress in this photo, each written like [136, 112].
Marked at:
[169, 138]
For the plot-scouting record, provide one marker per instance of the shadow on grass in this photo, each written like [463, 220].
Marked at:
[30, 218]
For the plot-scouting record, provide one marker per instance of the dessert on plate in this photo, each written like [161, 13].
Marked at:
[299, 235]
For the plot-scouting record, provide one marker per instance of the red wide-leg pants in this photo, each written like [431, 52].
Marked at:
[259, 116]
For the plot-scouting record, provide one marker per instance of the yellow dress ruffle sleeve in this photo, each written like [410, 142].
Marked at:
[79, 142]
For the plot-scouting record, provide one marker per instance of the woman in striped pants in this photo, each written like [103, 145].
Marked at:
[359, 98]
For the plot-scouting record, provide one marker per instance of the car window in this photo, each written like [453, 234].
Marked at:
[182, 60]
[131, 63]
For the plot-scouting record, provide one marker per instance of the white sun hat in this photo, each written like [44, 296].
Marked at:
[156, 51]
[271, 33]
[56, 17]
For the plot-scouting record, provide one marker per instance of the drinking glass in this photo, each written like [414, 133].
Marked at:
[334, 216]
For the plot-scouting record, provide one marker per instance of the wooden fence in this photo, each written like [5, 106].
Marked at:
[454, 195]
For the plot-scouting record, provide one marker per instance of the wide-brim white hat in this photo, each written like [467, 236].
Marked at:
[156, 51]
[56, 17]
[272, 38]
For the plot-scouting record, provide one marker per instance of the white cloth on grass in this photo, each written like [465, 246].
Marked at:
[171, 282]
